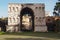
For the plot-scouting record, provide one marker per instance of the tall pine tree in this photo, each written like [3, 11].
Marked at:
[57, 9]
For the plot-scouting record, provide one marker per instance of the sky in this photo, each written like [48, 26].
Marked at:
[49, 5]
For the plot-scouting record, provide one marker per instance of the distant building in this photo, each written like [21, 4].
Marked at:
[47, 13]
[26, 17]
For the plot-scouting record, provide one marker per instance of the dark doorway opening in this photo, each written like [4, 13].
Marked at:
[27, 19]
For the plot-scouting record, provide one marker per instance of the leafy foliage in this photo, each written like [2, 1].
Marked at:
[57, 9]
[2, 33]
[3, 23]
[5, 20]
[57, 27]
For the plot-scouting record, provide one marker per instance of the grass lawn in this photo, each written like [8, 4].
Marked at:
[30, 36]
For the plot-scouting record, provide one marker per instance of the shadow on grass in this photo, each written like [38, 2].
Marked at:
[38, 34]
[24, 39]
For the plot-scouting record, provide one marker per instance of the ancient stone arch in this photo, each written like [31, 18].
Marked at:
[36, 10]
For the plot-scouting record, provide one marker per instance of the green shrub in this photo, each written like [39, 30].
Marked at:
[2, 33]
[57, 27]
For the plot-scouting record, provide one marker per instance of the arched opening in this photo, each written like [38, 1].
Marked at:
[27, 19]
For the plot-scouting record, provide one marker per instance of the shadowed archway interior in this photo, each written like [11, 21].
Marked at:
[27, 19]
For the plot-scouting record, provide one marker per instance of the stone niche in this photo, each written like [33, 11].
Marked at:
[14, 17]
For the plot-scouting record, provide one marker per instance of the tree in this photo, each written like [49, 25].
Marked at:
[3, 23]
[5, 20]
[57, 27]
[57, 9]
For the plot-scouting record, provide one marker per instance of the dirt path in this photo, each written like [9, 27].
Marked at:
[19, 37]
